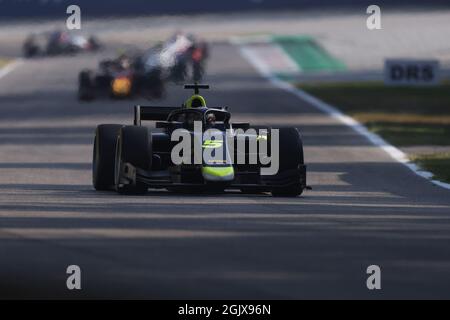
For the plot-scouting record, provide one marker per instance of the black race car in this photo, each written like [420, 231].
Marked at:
[215, 154]
[145, 73]
[123, 77]
[58, 43]
[181, 58]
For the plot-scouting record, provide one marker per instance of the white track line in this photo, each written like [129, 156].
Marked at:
[375, 139]
[10, 67]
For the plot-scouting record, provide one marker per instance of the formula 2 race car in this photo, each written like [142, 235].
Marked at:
[180, 58]
[58, 43]
[122, 77]
[133, 158]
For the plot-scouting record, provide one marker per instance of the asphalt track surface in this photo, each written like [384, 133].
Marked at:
[364, 208]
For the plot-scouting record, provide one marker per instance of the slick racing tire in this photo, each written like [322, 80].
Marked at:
[157, 91]
[133, 147]
[197, 72]
[30, 50]
[104, 156]
[291, 157]
[85, 86]
[152, 85]
[179, 72]
[94, 44]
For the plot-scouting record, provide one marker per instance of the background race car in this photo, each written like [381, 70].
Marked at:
[122, 77]
[182, 57]
[145, 73]
[58, 43]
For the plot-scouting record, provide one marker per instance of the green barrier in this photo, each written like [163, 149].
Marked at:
[308, 54]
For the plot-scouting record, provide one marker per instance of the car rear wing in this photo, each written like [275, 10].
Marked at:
[151, 113]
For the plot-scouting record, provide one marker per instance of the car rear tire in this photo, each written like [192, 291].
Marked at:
[85, 86]
[291, 158]
[104, 156]
[30, 49]
[179, 72]
[152, 85]
[94, 43]
[133, 147]
[197, 71]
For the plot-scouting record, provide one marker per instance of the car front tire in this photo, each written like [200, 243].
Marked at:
[103, 160]
[133, 147]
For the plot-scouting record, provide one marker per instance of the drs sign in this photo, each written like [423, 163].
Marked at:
[411, 72]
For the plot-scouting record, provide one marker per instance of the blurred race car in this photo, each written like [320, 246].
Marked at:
[145, 73]
[132, 158]
[176, 57]
[58, 43]
[122, 77]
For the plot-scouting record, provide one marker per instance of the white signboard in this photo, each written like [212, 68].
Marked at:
[411, 72]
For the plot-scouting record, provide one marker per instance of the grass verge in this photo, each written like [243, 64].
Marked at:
[438, 163]
[404, 116]
[4, 62]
